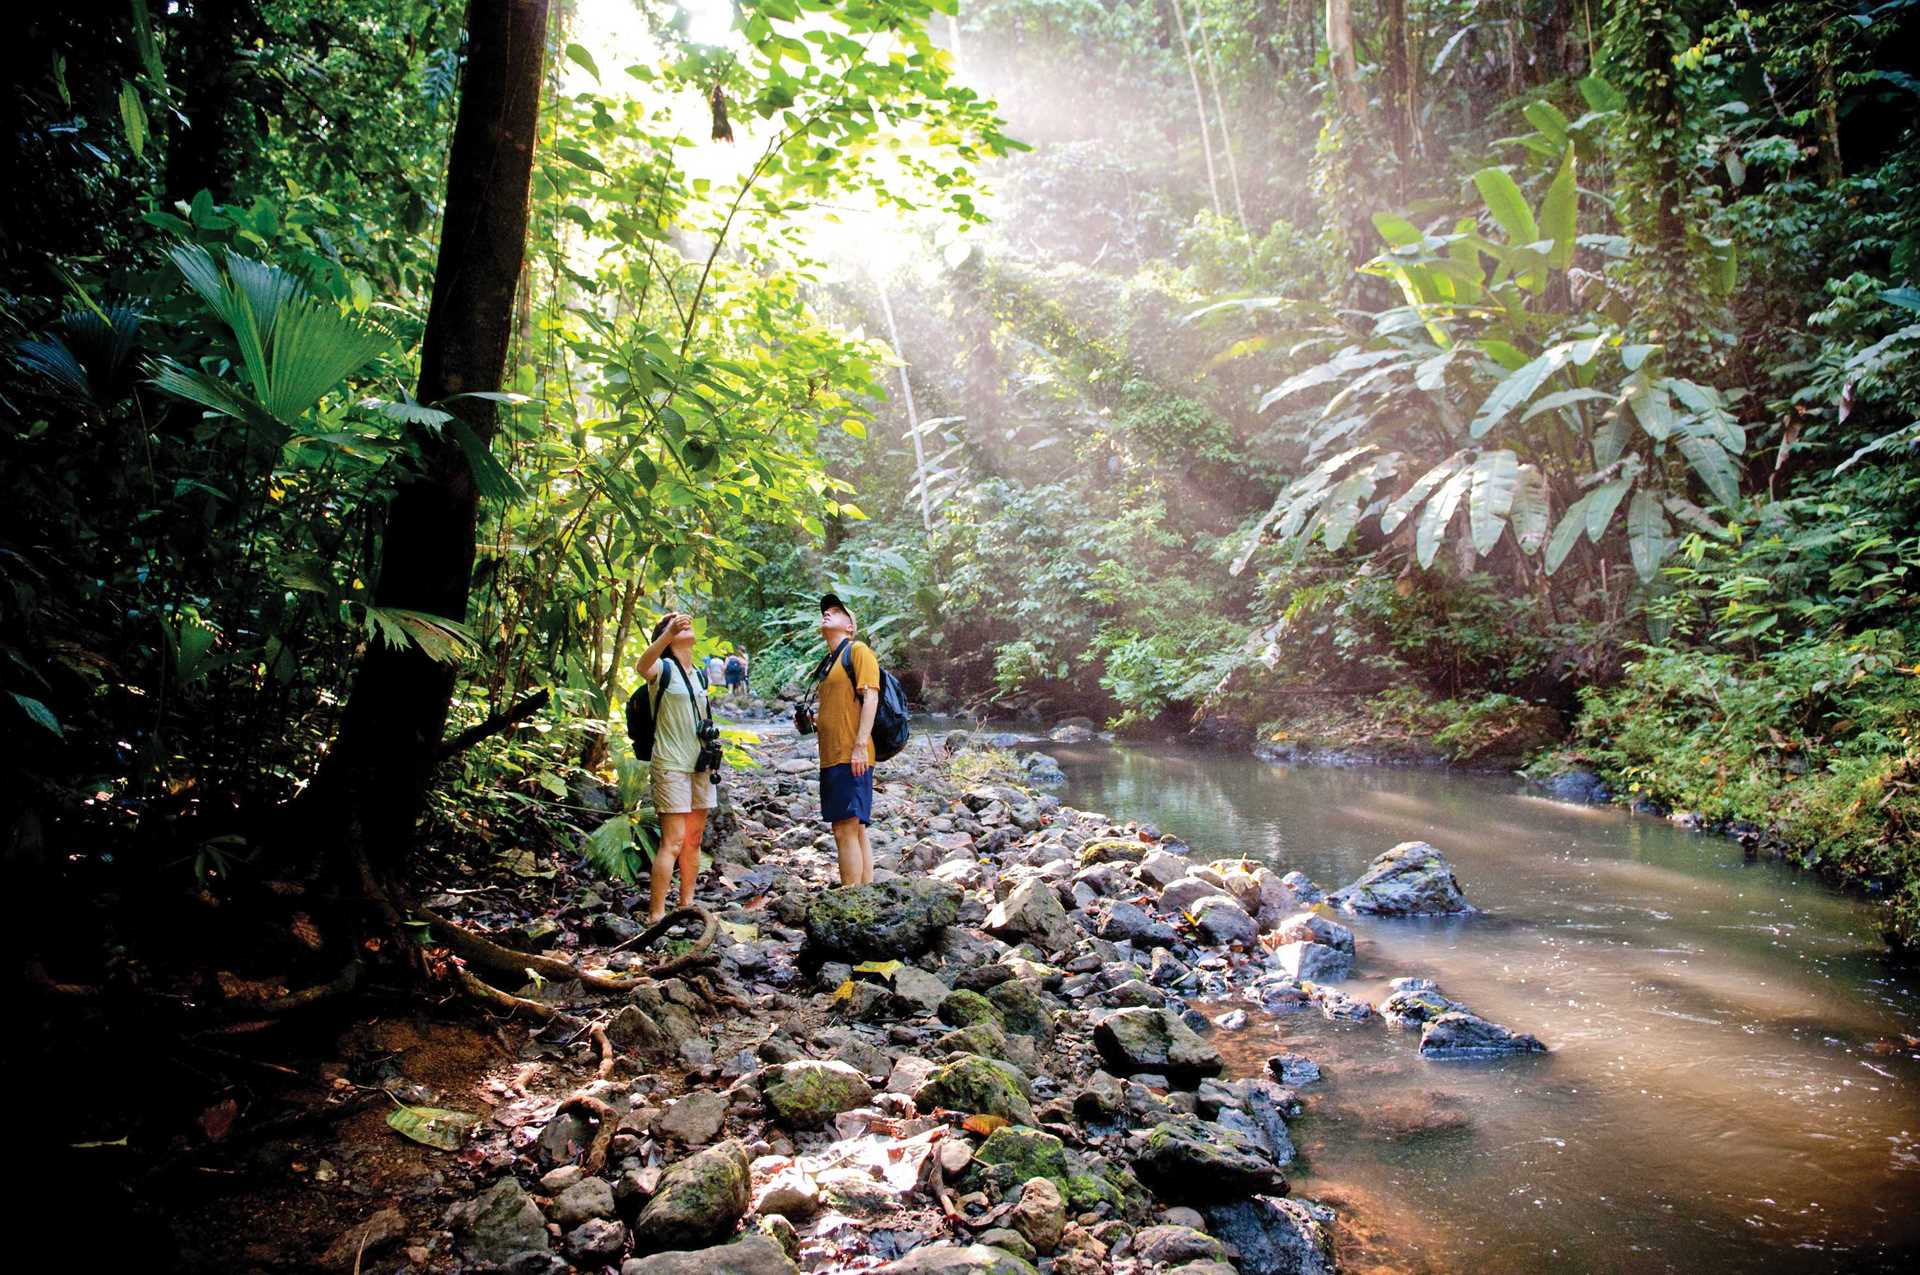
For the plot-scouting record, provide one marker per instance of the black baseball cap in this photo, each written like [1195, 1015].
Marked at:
[831, 600]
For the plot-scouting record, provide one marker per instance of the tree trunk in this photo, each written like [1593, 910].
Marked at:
[1226, 136]
[1399, 90]
[1199, 107]
[374, 779]
[913, 413]
[1341, 61]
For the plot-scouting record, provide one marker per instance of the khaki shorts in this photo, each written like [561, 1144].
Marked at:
[678, 792]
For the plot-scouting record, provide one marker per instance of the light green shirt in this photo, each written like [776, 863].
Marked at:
[676, 739]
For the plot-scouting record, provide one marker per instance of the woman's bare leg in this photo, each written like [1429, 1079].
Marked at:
[673, 831]
[692, 832]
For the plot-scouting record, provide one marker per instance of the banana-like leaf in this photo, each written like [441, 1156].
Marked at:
[1548, 118]
[1649, 535]
[1601, 503]
[1562, 398]
[1507, 204]
[1652, 407]
[1397, 512]
[1520, 386]
[1567, 534]
[1530, 510]
[434, 1126]
[1709, 460]
[1342, 508]
[1559, 211]
[1437, 515]
[1496, 477]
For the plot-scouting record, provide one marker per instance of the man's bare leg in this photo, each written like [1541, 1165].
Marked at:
[849, 840]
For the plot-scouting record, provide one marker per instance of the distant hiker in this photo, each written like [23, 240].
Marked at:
[736, 671]
[845, 725]
[716, 670]
[685, 754]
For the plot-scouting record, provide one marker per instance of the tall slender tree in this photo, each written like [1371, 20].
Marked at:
[1199, 107]
[373, 781]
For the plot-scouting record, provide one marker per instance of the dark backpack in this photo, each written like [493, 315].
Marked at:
[643, 713]
[890, 725]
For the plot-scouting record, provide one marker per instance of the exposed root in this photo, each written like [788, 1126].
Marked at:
[603, 1136]
[484, 952]
[647, 937]
[605, 1069]
[488, 994]
[342, 983]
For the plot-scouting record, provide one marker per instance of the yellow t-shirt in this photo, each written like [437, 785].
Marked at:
[838, 720]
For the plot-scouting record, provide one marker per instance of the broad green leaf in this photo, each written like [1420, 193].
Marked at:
[1559, 212]
[1601, 503]
[1562, 398]
[1649, 535]
[1653, 409]
[1397, 512]
[1342, 508]
[1531, 502]
[1710, 461]
[1435, 517]
[1496, 476]
[133, 118]
[1547, 117]
[434, 1126]
[584, 60]
[1600, 95]
[1507, 204]
[1567, 534]
[40, 714]
[1397, 230]
[1520, 386]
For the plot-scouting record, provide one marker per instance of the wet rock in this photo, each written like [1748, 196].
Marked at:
[499, 1222]
[1041, 1214]
[1311, 927]
[1303, 887]
[1412, 879]
[1133, 993]
[1337, 1006]
[807, 1094]
[1223, 921]
[1043, 771]
[1190, 1159]
[751, 1255]
[1275, 1237]
[958, 1259]
[596, 1242]
[883, 921]
[1011, 1240]
[1578, 785]
[1016, 1154]
[1181, 894]
[1125, 850]
[611, 928]
[1233, 1020]
[974, 1084]
[1314, 962]
[1123, 922]
[964, 1008]
[694, 1120]
[909, 1073]
[1032, 912]
[1075, 730]
[920, 991]
[1023, 1009]
[1260, 893]
[528, 1263]
[1462, 1035]
[1176, 1245]
[1160, 869]
[565, 1137]
[588, 1198]
[1293, 1069]
[699, 1201]
[1415, 1002]
[1154, 1040]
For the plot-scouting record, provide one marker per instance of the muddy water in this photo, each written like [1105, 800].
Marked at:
[1728, 1090]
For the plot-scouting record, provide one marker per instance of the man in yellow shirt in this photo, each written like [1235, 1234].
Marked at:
[845, 726]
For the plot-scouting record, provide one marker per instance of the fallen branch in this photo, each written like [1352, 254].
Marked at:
[493, 726]
[339, 985]
[479, 950]
[491, 995]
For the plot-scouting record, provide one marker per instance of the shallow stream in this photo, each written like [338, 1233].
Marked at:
[1729, 1088]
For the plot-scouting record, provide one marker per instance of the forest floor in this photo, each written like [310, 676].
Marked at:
[991, 1060]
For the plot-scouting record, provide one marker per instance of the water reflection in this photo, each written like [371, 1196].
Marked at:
[1730, 1087]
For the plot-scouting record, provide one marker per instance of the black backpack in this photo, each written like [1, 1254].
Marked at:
[643, 714]
[890, 725]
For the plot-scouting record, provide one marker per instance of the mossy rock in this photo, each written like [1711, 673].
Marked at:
[985, 1039]
[977, 1086]
[884, 921]
[964, 1008]
[1113, 850]
[808, 1093]
[1023, 1008]
[1096, 1180]
[699, 1201]
[1012, 1155]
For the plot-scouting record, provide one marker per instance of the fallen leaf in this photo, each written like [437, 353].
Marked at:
[984, 1124]
[885, 969]
[216, 1121]
[433, 1126]
[844, 992]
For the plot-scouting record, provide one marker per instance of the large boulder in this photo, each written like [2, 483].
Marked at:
[499, 1222]
[1032, 911]
[1189, 1159]
[1154, 1040]
[1172, 1245]
[978, 1086]
[1223, 921]
[1182, 893]
[807, 1094]
[750, 1255]
[1024, 1009]
[1412, 879]
[1311, 927]
[1415, 1002]
[1127, 850]
[1461, 1035]
[1275, 1237]
[698, 1202]
[1314, 962]
[1257, 889]
[1041, 1214]
[1124, 922]
[1013, 1155]
[958, 1259]
[882, 921]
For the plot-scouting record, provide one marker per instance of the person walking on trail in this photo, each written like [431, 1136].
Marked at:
[682, 786]
[736, 671]
[845, 727]
[716, 670]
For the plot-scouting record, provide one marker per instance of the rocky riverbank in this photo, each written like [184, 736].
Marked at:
[988, 1061]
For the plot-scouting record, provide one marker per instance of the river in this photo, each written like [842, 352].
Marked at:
[1728, 1088]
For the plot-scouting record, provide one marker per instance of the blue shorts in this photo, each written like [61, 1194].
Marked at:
[844, 795]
